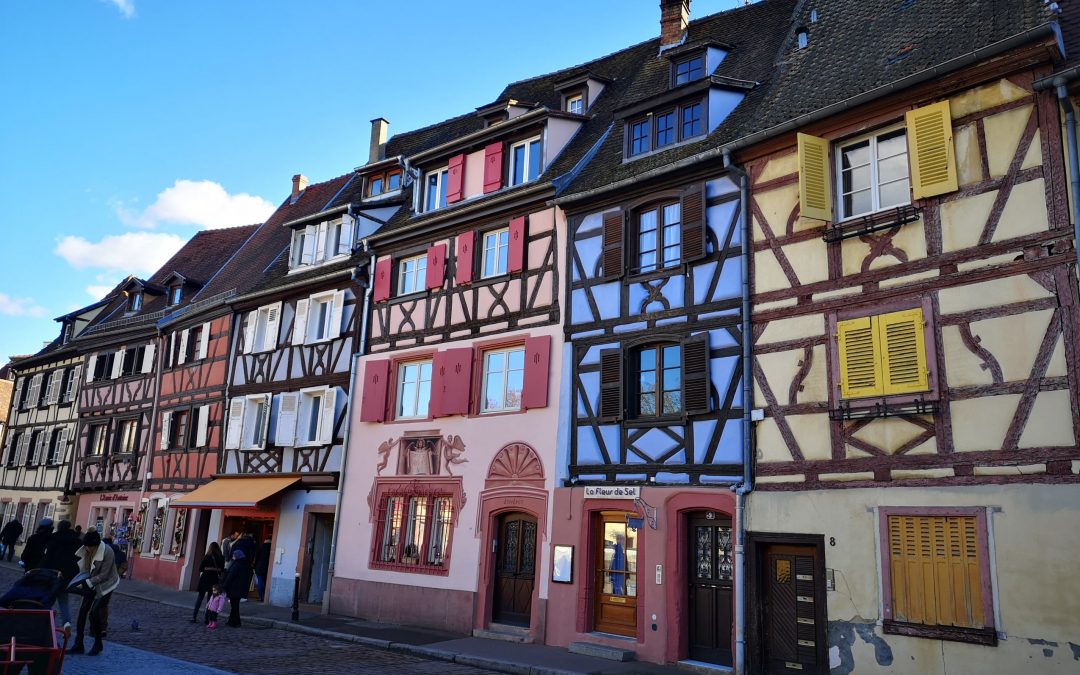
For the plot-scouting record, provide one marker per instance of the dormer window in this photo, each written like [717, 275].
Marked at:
[134, 303]
[526, 161]
[319, 243]
[666, 127]
[67, 333]
[435, 189]
[384, 182]
[575, 103]
[689, 69]
[176, 292]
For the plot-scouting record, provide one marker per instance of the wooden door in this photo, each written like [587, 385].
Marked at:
[615, 577]
[710, 577]
[790, 614]
[515, 569]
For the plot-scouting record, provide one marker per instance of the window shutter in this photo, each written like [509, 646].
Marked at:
[166, 429]
[24, 447]
[148, 358]
[493, 167]
[329, 415]
[451, 382]
[376, 386]
[69, 393]
[337, 317]
[930, 149]
[321, 242]
[611, 387]
[693, 224]
[51, 388]
[268, 401]
[33, 396]
[236, 423]
[515, 260]
[39, 447]
[860, 370]
[204, 341]
[16, 401]
[299, 329]
[285, 429]
[696, 384]
[903, 352]
[202, 426]
[455, 179]
[60, 451]
[384, 270]
[614, 228]
[436, 266]
[172, 349]
[815, 191]
[91, 366]
[463, 264]
[249, 331]
[181, 354]
[537, 358]
[345, 241]
[307, 254]
[273, 320]
[118, 363]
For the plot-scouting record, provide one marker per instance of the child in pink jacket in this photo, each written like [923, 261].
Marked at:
[215, 604]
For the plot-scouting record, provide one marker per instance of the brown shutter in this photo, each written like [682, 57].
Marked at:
[611, 386]
[693, 223]
[614, 231]
[451, 382]
[376, 385]
[436, 266]
[384, 270]
[455, 179]
[463, 265]
[493, 167]
[537, 357]
[696, 387]
[515, 259]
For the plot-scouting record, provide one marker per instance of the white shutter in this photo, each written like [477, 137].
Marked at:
[345, 242]
[329, 416]
[39, 447]
[34, 395]
[166, 429]
[337, 315]
[204, 340]
[91, 366]
[268, 401]
[236, 423]
[61, 446]
[24, 444]
[170, 350]
[69, 393]
[299, 329]
[148, 358]
[7, 449]
[52, 387]
[118, 363]
[320, 243]
[249, 331]
[307, 255]
[285, 431]
[17, 400]
[203, 426]
[181, 355]
[273, 320]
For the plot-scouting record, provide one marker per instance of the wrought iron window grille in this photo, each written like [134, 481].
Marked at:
[882, 408]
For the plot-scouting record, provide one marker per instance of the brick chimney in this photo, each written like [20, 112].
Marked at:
[674, 15]
[377, 149]
[299, 183]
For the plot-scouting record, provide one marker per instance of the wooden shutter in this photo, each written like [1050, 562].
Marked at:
[337, 316]
[51, 388]
[273, 321]
[16, 402]
[860, 368]
[463, 263]
[320, 242]
[23, 449]
[329, 416]
[299, 328]
[60, 451]
[148, 357]
[493, 167]
[39, 447]
[202, 426]
[537, 359]
[815, 178]
[285, 427]
[436, 266]
[455, 179]
[930, 150]
[204, 341]
[91, 366]
[166, 429]
[345, 238]
[236, 423]
[181, 354]
[693, 223]
[249, 332]
[903, 351]
[614, 231]
[118, 363]
[268, 402]
[384, 270]
[696, 382]
[451, 382]
[375, 388]
[69, 393]
[34, 395]
[611, 386]
[515, 260]
[171, 348]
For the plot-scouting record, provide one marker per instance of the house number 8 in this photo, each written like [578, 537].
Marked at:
[832, 541]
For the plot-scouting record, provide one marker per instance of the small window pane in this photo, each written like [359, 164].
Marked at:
[892, 144]
[858, 202]
[376, 186]
[534, 160]
[892, 169]
[665, 129]
[894, 194]
[394, 181]
[857, 154]
[691, 121]
[671, 356]
[639, 137]
[432, 192]
[519, 165]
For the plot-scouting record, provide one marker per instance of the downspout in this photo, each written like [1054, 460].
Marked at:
[361, 348]
[747, 484]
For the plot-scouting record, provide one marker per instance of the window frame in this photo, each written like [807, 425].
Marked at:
[687, 61]
[504, 258]
[325, 323]
[634, 382]
[252, 425]
[570, 98]
[304, 409]
[407, 489]
[420, 280]
[174, 295]
[875, 185]
[400, 382]
[97, 440]
[511, 163]
[180, 440]
[441, 175]
[679, 109]
[119, 437]
[659, 206]
[507, 350]
[383, 177]
[134, 302]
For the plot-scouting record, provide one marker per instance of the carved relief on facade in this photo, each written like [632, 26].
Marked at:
[422, 454]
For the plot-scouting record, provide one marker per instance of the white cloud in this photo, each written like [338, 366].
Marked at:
[126, 7]
[203, 203]
[19, 306]
[97, 293]
[139, 253]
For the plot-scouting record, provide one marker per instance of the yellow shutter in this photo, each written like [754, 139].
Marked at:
[860, 367]
[930, 149]
[815, 191]
[902, 350]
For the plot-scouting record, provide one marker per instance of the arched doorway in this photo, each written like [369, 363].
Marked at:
[515, 569]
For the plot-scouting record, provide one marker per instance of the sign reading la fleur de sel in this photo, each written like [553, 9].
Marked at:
[612, 492]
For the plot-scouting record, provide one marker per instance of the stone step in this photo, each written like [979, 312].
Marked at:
[703, 667]
[498, 631]
[601, 651]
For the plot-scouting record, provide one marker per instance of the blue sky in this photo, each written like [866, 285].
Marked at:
[129, 125]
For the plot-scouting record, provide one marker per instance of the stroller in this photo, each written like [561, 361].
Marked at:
[28, 635]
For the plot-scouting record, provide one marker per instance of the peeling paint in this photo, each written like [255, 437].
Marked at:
[1048, 653]
[1038, 641]
[842, 638]
[1075, 650]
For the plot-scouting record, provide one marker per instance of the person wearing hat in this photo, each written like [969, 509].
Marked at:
[97, 563]
[34, 550]
[236, 584]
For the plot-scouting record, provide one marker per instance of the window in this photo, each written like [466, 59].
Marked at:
[412, 275]
[936, 574]
[321, 318]
[12, 449]
[175, 293]
[97, 440]
[435, 189]
[415, 530]
[659, 241]
[883, 355]
[384, 182]
[309, 425]
[127, 432]
[575, 103]
[72, 380]
[665, 129]
[261, 331]
[256, 417]
[658, 381]
[414, 389]
[57, 446]
[663, 379]
[41, 446]
[133, 360]
[639, 137]
[194, 340]
[103, 365]
[178, 433]
[691, 121]
[316, 244]
[495, 253]
[504, 379]
[689, 70]
[134, 301]
[873, 173]
[525, 161]
[659, 130]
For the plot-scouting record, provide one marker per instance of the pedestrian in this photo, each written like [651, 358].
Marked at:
[98, 562]
[8, 536]
[121, 557]
[78, 531]
[34, 550]
[60, 556]
[236, 584]
[246, 543]
[262, 567]
[214, 605]
[227, 544]
[210, 570]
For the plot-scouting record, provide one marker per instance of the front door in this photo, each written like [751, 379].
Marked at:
[615, 580]
[318, 556]
[515, 569]
[790, 614]
[710, 588]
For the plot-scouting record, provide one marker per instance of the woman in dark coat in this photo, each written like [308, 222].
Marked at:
[236, 584]
[34, 550]
[210, 569]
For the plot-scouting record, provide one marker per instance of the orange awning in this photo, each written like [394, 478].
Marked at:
[239, 492]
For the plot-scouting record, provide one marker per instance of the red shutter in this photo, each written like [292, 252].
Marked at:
[451, 382]
[464, 263]
[516, 255]
[384, 269]
[493, 167]
[537, 357]
[455, 179]
[375, 387]
[436, 266]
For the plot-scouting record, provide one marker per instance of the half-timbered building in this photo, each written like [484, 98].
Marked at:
[914, 326]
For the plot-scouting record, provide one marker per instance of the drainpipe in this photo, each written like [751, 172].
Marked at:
[747, 484]
[361, 348]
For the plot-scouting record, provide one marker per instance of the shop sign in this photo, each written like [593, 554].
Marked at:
[612, 492]
[115, 497]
